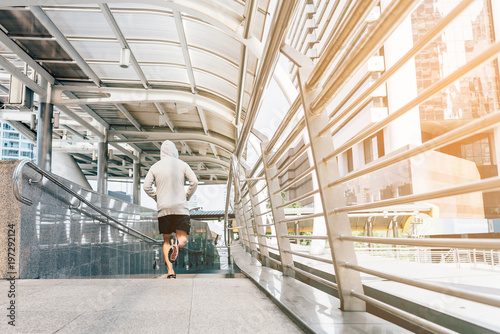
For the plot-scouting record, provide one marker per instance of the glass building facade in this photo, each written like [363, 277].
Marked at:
[14, 145]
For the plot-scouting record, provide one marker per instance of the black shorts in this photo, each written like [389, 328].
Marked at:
[168, 224]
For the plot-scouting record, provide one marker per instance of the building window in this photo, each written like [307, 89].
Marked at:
[350, 164]
[474, 94]
[374, 147]
[7, 127]
[26, 154]
[11, 135]
[27, 146]
[477, 151]
[11, 144]
[10, 153]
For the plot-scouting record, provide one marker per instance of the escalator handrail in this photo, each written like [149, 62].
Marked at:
[16, 186]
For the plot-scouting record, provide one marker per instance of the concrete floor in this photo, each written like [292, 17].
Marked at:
[189, 304]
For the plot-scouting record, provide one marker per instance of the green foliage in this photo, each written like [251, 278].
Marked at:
[293, 205]
[305, 242]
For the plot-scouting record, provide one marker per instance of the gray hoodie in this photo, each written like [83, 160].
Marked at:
[168, 176]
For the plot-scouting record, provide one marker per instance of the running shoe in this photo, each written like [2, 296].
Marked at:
[173, 253]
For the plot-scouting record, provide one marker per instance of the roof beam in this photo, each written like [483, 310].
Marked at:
[164, 113]
[123, 42]
[80, 120]
[214, 150]
[122, 95]
[25, 57]
[73, 131]
[88, 110]
[7, 65]
[250, 9]
[185, 53]
[281, 20]
[65, 44]
[19, 126]
[129, 116]
[226, 145]
[203, 159]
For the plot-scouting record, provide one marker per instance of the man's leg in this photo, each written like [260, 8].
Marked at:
[181, 237]
[166, 248]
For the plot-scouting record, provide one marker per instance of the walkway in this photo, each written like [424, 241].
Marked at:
[205, 304]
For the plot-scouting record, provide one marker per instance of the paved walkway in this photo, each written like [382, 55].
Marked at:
[190, 304]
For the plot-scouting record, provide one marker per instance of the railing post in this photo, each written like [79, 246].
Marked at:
[44, 135]
[249, 229]
[102, 164]
[331, 198]
[261, 231]
[242, 230]
[278, 214]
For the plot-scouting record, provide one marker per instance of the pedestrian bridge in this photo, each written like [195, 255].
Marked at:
[357, 141]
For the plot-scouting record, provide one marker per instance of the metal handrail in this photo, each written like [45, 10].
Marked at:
[291, 161]
[462, 132]
[264, 213]
[297, 179]
[299, 198]
[265, 199]
[438, 242]
[307, 256]
[483, 57]
[16, 190]
[314, 277]
[294, 108]
[448, 290]
[299, 127]
[421, 322]
[304, 217]
[306, 237]
[422, 43]
[483, 185]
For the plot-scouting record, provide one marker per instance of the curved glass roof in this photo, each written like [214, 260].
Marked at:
[146, 72]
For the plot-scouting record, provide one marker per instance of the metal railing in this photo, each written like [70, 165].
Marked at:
[16, 180]
[350, 45]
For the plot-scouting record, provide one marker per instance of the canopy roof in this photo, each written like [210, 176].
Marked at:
[138, 72]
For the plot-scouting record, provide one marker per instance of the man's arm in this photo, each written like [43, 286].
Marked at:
[148, 185]
[193, 182]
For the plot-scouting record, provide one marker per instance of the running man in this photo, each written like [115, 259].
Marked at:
[168, 176]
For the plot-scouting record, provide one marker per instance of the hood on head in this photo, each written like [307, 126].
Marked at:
[168, 150]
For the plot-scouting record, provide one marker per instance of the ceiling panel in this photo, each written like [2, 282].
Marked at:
[114, 72]
[217, 65]
[207, 37]
[216, 84]
[75, 23]
[139, 25]
[166, 74]
[158, 52]
[44, 49]
[22, 22]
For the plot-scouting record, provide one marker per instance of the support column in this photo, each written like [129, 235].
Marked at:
[261, 230]
[102, 165]
[249, 228]
[278, 214]
[242, 226]
[319, 227]
[331, 198]
[136, 181]
[44, 135]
